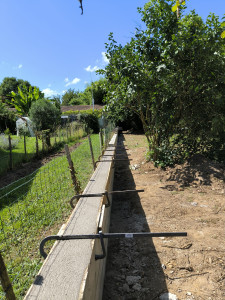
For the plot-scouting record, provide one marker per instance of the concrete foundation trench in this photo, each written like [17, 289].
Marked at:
[133, 269]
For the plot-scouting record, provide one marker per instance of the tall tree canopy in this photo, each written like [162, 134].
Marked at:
[171, 76]
[11, 84]
[23, 100]
[95, 89]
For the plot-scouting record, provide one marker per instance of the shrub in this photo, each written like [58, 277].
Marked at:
[45, 115]
[89, 117]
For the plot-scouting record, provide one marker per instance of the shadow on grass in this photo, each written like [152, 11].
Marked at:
[133, 268]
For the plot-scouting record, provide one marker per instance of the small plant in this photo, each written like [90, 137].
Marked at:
[4, 142]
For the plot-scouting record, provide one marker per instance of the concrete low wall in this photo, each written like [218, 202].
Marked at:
[70, 271]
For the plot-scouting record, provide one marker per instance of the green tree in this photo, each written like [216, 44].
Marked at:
[57, 101]
[68, 96]
[7, 118]
[11, 84]
[23, 100]
[170, 75]
[99, 91]
[44, 114]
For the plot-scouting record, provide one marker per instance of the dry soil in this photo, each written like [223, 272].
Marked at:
[189, 197]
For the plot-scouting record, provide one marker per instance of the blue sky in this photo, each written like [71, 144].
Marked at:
[50, 44]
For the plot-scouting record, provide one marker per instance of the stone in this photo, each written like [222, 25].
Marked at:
[131, 280]
[126, 288]
[168, 296]
[188, 293]
[136, 287]
[194, 203]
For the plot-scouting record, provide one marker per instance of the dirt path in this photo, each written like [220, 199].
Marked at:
[188, 198]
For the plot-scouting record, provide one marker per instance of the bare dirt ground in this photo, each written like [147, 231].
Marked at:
[189, 197]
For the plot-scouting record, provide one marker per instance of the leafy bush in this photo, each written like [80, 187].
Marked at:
[45, 115]
[7, 118]
[89, 117]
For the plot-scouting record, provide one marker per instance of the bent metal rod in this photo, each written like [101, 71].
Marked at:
[77, 197]
[102, 236]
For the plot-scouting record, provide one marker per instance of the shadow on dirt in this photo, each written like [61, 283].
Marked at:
[133, 268]
[198, 170]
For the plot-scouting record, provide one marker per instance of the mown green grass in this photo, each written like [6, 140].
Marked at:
[35, 207]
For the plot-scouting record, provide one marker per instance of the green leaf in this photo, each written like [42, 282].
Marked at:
[223, 35]
[174, 8]
[183, 3]
[222, 24]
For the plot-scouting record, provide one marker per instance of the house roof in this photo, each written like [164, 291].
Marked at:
[80, 107]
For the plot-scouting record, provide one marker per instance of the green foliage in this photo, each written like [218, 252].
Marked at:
[7, 118]
[72, 97]
[56, 101]
[11, 84]
[97, 89]
[45, 115]
[89, 117]
[23, 100]
[170, 75]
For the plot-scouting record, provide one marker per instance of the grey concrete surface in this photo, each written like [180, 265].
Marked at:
[64, 271]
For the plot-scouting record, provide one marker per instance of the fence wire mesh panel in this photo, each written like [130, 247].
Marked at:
[24, 148]
[108, 133]
[35, 206]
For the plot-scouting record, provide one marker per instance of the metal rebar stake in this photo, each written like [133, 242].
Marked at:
[102, 236]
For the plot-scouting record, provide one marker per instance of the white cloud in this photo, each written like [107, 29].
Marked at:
[104, 58]
[90, 69]
[66, 79]
[74, 81]
[20, 66]
[49, 93]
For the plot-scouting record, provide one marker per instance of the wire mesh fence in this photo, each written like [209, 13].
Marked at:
[35, 206]
[25, 148]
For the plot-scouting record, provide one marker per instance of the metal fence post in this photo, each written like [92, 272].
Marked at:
[5, 281]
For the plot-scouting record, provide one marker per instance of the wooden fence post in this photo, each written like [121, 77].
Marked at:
[76, 183]
[92, 154]
[24, 144]
[10, 154]
[101, 141]
[43, 143]
[5, 281]
[104, 131]
[67, 132]
[37, 149]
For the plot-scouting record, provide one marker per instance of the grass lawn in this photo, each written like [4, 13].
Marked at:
[18, 153]
[35, 207]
